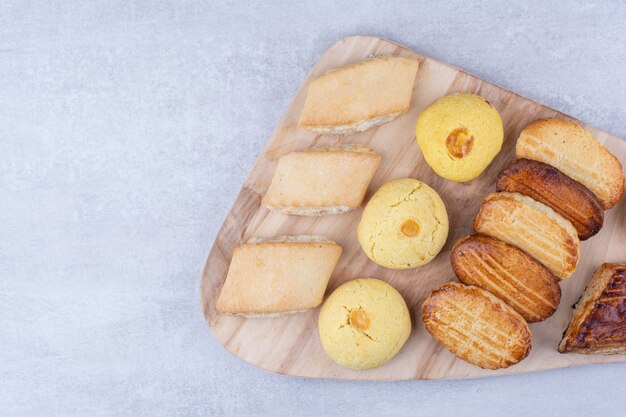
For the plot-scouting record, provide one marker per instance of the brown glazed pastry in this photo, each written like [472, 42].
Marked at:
[533, 227]
[551, 187]
[599, 321]
[508, 273]
[476, 326]
[576, 153]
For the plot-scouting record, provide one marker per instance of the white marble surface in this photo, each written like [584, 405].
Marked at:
[126, 129]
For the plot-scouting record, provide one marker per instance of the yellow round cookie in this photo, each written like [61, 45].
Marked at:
[459, 135]
[404, 225]
[364, 323]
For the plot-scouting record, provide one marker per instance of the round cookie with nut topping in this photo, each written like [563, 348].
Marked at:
[404, 225]
[364, 323]
[459, 135]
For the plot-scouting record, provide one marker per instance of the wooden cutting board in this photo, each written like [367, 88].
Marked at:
[290, 344]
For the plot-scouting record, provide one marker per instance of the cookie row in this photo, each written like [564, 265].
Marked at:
[364, 322]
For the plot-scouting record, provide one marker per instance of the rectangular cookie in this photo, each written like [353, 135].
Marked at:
[282, 275]
[599, 321]
[320, 181]
[359, 96]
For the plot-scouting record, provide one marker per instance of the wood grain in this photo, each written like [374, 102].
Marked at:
[290, 344]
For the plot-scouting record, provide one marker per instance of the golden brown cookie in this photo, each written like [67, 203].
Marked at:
[548, 185]
[533, 227]
[476, 326]
[576, 153]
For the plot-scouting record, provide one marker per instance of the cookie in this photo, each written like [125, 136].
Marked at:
[459, 135]
[357, 97]
[276, 276]
[404, 225]
[533, 227]
[548, 185]
[576, 153]
[364, 323]
[476, 326]
[508, 273]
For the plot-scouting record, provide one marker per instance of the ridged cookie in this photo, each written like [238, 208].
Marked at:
[359, 96]
[476, 326]
[549, 186]
[533, 227]
[276, 276]
[508, 273]
[320, 181]
[599, 321]
[576, 153]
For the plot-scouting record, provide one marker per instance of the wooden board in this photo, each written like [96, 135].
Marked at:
[290, 344]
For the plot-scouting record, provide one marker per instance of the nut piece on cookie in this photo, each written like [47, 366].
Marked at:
[508, 273]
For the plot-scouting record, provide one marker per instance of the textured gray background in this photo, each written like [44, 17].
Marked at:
[126, 129]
